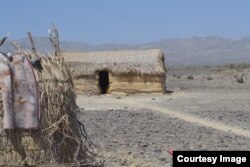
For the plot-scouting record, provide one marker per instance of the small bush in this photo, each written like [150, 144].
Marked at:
[240, 79]
[190, 77]
[169, 90]
[178, 76]
[209, 78]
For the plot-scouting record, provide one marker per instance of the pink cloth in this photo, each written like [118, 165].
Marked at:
[22, 100]
[7, 91]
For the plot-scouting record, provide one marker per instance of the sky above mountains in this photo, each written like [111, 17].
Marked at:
[126, 21]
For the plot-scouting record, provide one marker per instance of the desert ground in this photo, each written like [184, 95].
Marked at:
[209, 112]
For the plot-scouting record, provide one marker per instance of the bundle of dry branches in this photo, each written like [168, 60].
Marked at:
[60, 139]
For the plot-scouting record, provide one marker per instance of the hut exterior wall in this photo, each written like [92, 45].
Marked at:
[124, 84]
[87, 84]
[136, 84]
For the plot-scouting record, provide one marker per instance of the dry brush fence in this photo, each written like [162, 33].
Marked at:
[60, 139]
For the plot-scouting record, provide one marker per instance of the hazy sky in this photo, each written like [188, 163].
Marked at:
[126, 21]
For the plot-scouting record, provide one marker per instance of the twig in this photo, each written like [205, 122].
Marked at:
[32, 44]
[54, 39]
[4, 39]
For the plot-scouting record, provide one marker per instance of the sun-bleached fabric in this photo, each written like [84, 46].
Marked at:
[7, 91]
[20, 91]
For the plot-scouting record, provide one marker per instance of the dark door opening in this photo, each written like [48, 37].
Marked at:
[103, 81]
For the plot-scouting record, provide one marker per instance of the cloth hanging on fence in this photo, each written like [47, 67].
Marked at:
[20, 94]
[6, 86]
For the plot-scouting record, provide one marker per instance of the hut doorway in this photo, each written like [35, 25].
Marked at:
[103, 81]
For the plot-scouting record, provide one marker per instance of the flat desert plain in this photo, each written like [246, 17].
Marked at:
[209, 112]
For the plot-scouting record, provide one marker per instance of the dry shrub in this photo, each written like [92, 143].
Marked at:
[190, 77]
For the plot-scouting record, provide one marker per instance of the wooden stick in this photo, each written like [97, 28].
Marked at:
[4, 39]
[32, 44]
[54, 39]
[16, 45]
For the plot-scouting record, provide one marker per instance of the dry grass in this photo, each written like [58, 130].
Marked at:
[59, 140]
[126, 62]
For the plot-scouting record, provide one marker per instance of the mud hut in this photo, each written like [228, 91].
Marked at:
[117, 72]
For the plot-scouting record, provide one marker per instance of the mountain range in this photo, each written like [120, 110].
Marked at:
[212, 50]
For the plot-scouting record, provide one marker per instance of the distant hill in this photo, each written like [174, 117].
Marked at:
[183, 52]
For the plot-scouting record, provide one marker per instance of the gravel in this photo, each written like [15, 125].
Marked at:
[143, 138]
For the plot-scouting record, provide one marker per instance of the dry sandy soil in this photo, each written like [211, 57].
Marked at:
[201, 114]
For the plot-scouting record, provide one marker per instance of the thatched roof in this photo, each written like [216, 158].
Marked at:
[140, 62]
